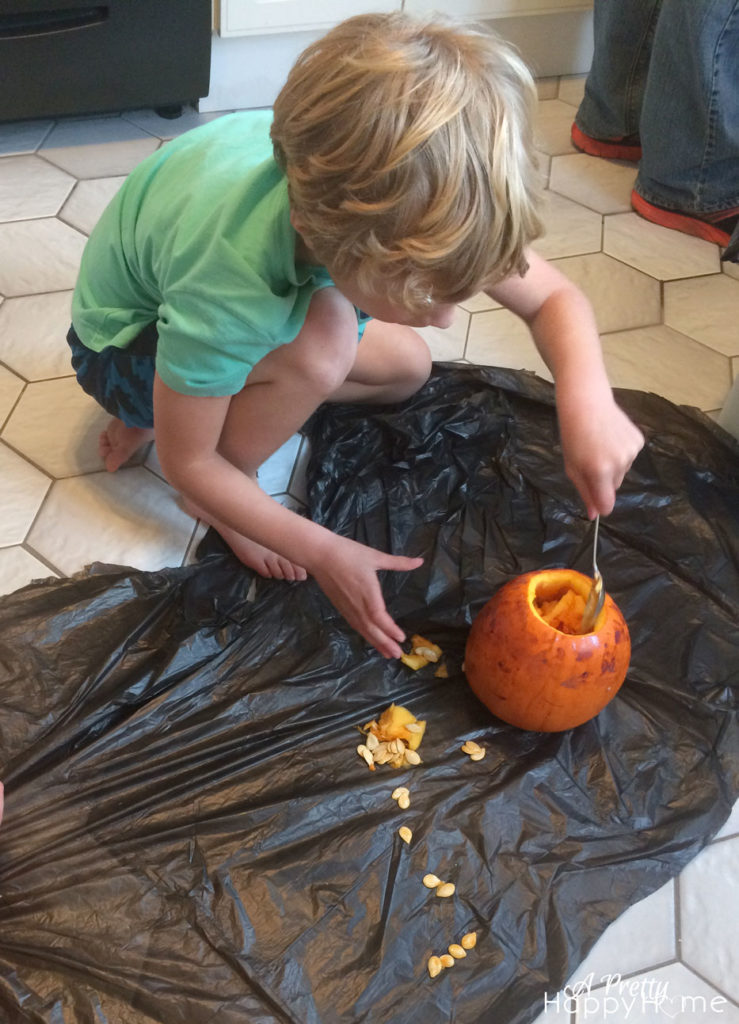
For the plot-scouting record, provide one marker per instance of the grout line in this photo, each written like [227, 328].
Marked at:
[712, 984]
[677, 911]
[35, 465]
[716, 841]
[671, 962]
[35, 295]
[44, 561]
[54, 123]
[13, 407]
[33, 522]
[467, 334]
[191, 544]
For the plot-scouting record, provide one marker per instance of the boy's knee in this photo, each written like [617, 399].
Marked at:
[327, 370]
[415, 368]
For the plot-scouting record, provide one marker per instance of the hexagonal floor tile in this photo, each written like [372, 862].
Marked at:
[544, 163]
[642, 936]
[10, 388]
[572, 89]
[705, 308]
[88, 200]
[500, 338]
[661, 252]
[18, 567]
[33, 335]
[23, 136]
[126, 518]
[448, 344]
[38, 256]
[34, 427]
[23, 490]
[97, 147]
[659, 359]
[552, 127]
[298, 487]
[275, 473]
[569, 228]
[479, 303]
[602, 185]
[29, 187]
[547, 88]
[665, 995]
[622, 297]
[709, 914]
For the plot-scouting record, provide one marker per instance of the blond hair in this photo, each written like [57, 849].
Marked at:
[408, 151]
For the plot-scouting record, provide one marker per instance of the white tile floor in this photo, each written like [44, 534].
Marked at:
[667, 310]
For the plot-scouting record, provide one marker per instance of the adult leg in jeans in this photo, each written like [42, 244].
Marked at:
[690, 114]
[614, 91]
[668, 69]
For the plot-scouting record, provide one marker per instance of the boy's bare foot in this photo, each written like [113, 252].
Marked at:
[117, 443]
[267, 563]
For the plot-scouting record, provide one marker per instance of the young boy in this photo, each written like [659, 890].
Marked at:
[219, 296]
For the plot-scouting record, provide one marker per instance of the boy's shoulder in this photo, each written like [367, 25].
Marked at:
[243, 129]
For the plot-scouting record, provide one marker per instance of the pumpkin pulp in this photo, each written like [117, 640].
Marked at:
[558, 598]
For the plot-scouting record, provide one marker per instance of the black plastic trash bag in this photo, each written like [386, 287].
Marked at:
[190, 836]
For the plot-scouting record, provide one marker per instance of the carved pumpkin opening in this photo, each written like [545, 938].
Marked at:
[561, 602]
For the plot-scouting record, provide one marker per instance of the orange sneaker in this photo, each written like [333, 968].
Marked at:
[713, 227]
[626, 148]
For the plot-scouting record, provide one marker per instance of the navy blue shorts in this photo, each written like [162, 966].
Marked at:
[122, 379]
[119, 379]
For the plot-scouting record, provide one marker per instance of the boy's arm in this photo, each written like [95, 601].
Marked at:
[599, 441]
[188, 430]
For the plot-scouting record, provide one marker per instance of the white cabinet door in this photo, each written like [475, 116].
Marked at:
[255, 17]
[496, 8]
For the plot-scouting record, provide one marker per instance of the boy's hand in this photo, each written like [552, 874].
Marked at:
[348, 578]
[599, 444]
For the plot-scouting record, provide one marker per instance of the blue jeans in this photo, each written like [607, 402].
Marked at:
[668, 70]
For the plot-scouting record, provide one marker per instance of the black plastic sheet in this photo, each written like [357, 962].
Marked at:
[190, 836]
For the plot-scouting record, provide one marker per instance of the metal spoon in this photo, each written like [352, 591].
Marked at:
[597, 594]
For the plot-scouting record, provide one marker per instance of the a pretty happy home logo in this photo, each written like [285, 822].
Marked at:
[611, 998]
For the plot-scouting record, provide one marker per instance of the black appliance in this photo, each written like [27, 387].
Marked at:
[62, 57]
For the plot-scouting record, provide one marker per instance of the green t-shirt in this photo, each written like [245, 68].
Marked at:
[198, 240]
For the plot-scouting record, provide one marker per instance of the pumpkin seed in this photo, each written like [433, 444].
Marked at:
[477, 755]
[412, 757]
[372, 742]
[399, 791]
[469, 941]
[427, 653]
[446, 960]
[413, 727]
[366, 754]
[405, 833]
[431, 881]
[434, 966]
[457, 951]
[445, 889]
[404, 802]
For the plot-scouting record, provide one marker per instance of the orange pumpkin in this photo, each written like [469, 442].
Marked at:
[527, 661]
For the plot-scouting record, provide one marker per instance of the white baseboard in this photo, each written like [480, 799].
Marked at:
[248, 71]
